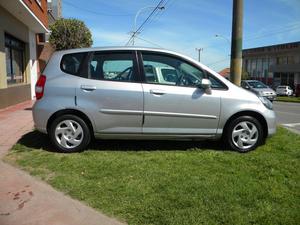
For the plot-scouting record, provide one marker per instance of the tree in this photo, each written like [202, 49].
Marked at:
[70, 33]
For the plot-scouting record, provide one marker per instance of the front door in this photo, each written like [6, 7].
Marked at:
[173, 104]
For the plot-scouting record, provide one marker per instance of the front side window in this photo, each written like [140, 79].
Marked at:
[14, 55]
[216, 83]
[112, 66]
[164, 69]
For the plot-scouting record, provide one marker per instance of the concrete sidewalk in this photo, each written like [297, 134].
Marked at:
[25, 200]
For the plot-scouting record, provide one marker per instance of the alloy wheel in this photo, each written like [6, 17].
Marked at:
[69, 134]
[245, 135]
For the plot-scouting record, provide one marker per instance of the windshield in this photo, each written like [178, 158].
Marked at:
[256, 84]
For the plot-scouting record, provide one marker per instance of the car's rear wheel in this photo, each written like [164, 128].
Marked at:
[69, 133]
[244, 134]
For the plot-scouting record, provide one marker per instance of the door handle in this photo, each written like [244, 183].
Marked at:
[157, 92]
[88, 87]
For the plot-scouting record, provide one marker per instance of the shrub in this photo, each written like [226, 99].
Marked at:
[70, 33]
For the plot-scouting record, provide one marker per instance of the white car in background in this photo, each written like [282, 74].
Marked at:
[161, 74]
[284, 90]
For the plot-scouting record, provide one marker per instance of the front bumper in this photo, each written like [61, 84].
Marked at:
[270, 97]
[270, 117]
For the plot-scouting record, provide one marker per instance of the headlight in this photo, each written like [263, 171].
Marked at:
[261, 93]
[266, 102]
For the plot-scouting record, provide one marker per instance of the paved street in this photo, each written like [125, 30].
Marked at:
[288, 114]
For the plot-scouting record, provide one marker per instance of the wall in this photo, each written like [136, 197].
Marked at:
[39, 10]
[12, 26]
[10, 95]
[33, 62]
[13, 95]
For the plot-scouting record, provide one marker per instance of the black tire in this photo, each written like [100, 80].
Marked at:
[234, 124]
[84, 137]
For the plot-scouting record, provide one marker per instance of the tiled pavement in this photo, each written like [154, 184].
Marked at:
[14, 122]
[25, 200]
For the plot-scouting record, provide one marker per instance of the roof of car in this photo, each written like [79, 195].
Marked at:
[110, 48]
[250, 80]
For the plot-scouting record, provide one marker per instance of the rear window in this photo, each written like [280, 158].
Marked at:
[71, 63]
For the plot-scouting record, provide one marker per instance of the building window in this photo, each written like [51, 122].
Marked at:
[291, 60]
[265, 67]
[259, 67]
[15, 52]
[282, 60]
[253, 67]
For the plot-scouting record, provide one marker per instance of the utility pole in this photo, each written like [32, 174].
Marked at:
[199, 53]
[134, 32]
[236, 42]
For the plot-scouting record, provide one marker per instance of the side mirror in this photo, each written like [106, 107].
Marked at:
[247, 87]
[205, 84]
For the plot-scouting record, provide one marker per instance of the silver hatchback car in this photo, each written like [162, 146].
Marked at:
[117, 93]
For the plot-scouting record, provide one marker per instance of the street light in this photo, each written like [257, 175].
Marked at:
[134, 32]
[199, 50]
[225, 38]
[221, 36]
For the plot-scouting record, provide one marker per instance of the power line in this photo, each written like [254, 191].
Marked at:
[217, 62]
[93, 12]
[160, 13]
[145, 21]
[150, 42]
[264, 34]
[255, 38]
[271, 34]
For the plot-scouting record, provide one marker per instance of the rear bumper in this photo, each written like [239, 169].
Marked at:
[40, 117]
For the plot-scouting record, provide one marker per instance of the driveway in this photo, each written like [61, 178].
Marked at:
[25, 200]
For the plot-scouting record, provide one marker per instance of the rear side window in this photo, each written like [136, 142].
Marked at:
[113, 66]
[72, 63]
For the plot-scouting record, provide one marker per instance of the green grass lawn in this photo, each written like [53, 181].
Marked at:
[165, 182]
[288, 99]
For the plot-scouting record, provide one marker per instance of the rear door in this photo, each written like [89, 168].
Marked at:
[112, 93]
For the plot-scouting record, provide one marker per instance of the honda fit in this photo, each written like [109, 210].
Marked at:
[118, 93]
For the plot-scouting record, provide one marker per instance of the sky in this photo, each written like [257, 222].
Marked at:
[185, 25]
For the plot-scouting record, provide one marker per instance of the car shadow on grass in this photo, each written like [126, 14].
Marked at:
[37, 140]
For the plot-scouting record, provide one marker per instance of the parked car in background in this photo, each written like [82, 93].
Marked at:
[259, 88]
[297, 90]
[144, 93]
[284, 90]
[162, 75]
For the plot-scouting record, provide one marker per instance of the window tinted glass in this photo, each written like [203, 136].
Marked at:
[14, 52]
[163, 69]
[112, 66]
[215, 83]
[71, 63]
[256, 84]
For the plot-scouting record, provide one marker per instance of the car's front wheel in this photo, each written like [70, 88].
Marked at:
[244, 134]
[69, 133]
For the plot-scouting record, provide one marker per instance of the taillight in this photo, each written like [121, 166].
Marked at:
[39, 87]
